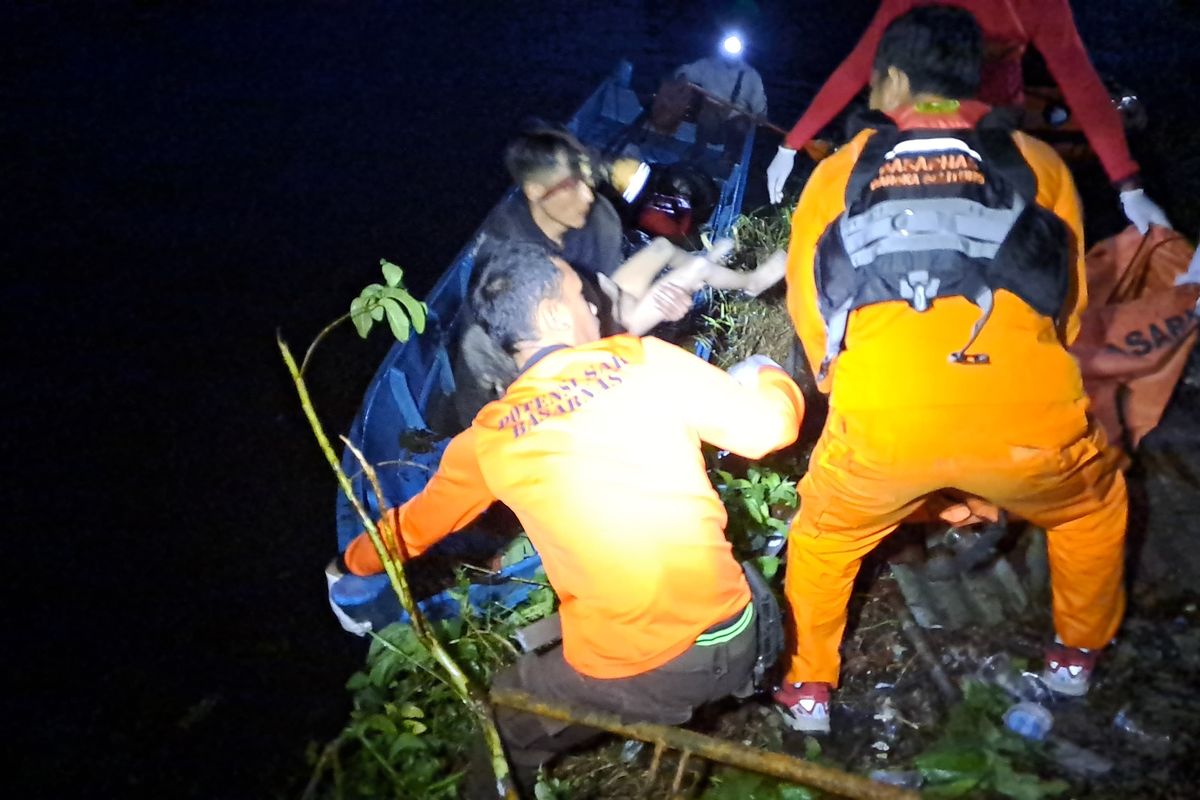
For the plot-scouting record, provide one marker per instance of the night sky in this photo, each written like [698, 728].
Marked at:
[182, 179]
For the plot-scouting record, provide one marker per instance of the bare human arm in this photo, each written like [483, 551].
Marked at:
[670, 297]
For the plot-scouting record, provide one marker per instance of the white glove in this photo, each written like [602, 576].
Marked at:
[351, 625]
[1142, 211]
[745, 371]
[778, 171]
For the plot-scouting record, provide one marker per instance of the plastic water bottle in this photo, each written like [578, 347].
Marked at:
[1078, 760]
[905, 779]
[631, 749]
[998, 670]
[1030, 720]
[1157, 744]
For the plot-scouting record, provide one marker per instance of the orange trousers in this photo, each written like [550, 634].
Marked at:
[872, 469]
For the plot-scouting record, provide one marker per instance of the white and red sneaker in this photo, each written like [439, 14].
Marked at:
[805, 706]
[1068, 669]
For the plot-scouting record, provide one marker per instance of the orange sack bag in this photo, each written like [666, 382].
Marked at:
[1138, 330]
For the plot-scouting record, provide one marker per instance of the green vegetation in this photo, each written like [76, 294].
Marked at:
[737, 326]
[391, 300]
[394, 301]
[728, 783]
[759, 507]
[976, 755]
[762, 232]
[731, 784]
[409, 733]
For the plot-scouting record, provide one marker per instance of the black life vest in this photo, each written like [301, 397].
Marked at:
[940, 213]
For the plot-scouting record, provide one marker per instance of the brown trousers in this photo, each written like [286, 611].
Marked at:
[667, 695]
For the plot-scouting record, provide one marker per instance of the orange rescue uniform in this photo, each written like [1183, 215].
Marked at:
[596, 449]
[905, 422]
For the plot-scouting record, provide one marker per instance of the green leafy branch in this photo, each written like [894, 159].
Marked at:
[759, 507]
[761, 502]
[389, 300]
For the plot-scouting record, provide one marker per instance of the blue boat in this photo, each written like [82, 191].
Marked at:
[411, 393]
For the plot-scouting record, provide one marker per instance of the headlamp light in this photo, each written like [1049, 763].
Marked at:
[627, 175]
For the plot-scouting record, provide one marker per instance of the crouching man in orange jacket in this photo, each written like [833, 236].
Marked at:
[595, 446]
[935, 279]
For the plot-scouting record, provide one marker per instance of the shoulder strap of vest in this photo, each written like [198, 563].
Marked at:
[995, 132]
[881, 142]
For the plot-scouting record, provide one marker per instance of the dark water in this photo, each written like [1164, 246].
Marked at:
[182, 179]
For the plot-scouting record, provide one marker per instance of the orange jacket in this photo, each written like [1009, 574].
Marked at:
[1008, 26]
[896, 357]
[596, 449]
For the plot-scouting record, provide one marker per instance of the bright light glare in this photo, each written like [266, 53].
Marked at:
[732, 44]
[637, 183]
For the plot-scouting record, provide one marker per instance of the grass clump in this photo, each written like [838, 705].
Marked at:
[738, 326]
[758, 234]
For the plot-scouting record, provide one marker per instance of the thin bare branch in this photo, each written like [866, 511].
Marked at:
[324, 331]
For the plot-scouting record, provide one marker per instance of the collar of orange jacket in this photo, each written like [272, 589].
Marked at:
[564, 380]
[918, 117]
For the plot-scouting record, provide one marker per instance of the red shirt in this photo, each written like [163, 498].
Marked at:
[1008, 27]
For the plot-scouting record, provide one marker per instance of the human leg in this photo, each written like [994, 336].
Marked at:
[531, 740]
[753, 283]
[635, 276]
[719, 665]
[822, 565]
[852, 497]
[1077, 493]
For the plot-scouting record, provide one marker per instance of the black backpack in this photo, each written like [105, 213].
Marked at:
[940, 213]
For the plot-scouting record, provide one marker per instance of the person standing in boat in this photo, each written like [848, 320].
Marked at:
[1009, 26]
[558, 209]
[739, 88]
[657, 616]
